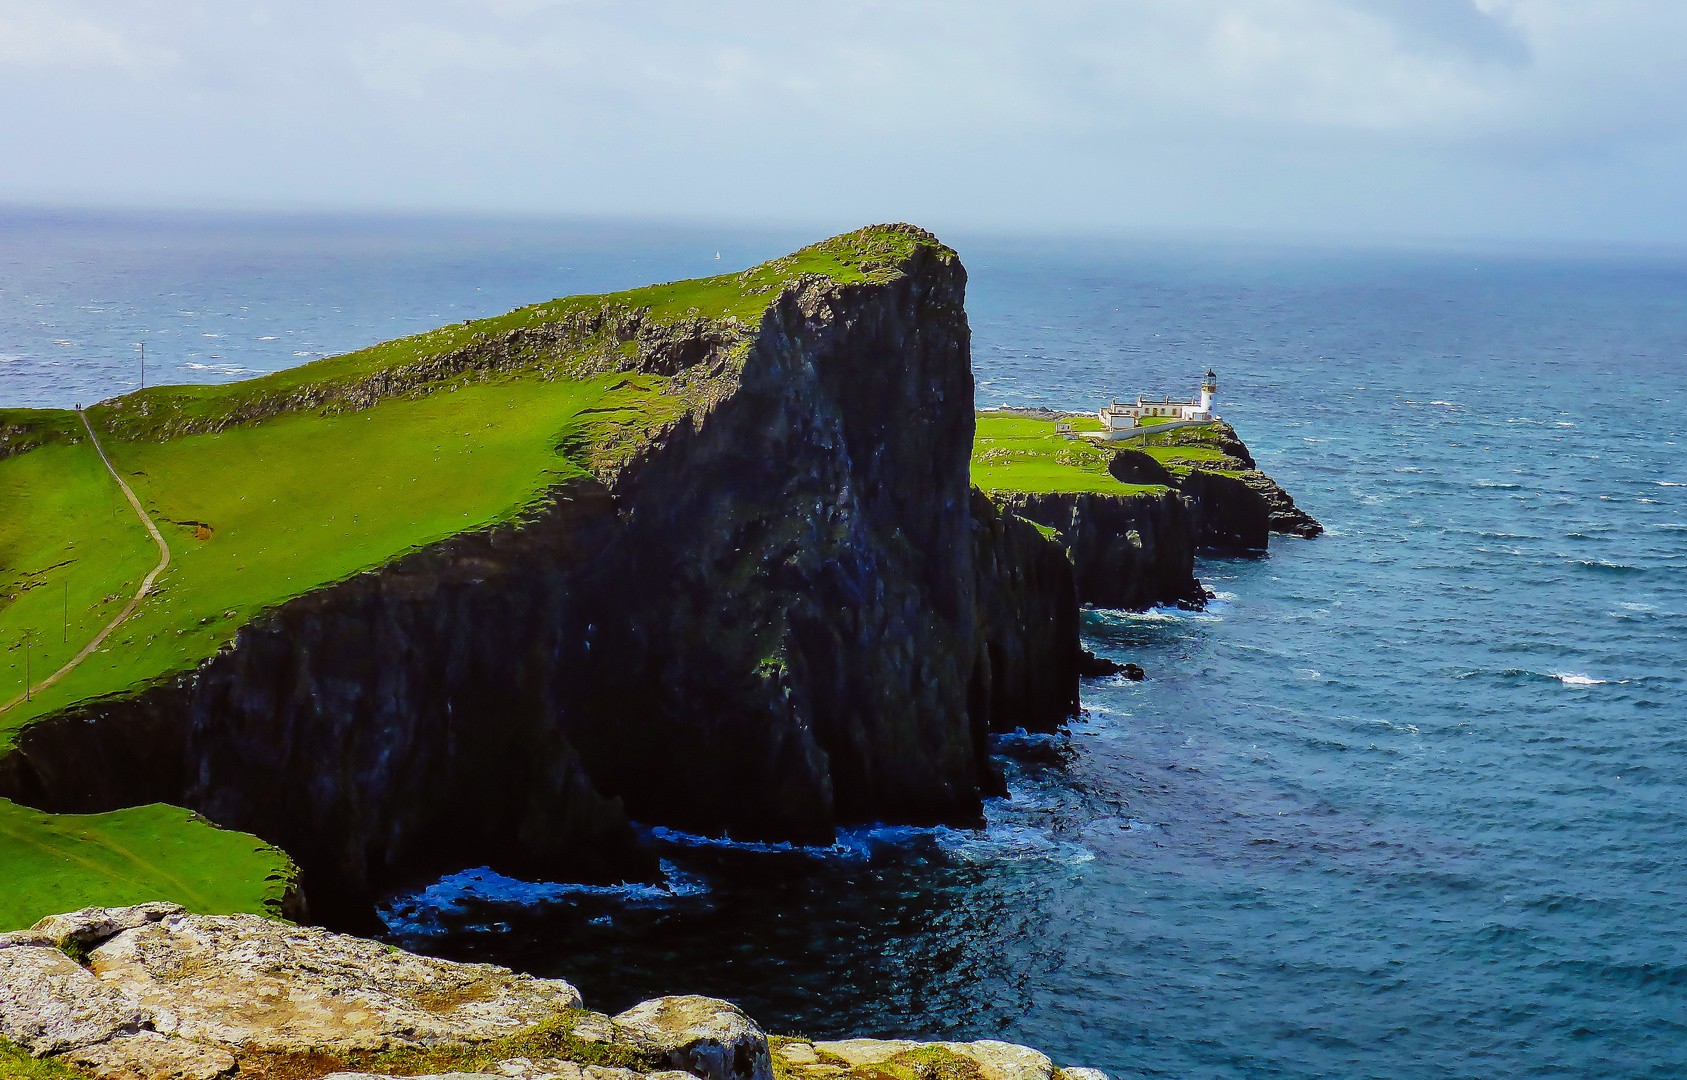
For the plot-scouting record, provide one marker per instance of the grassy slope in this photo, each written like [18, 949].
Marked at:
[292, 503]
[61, 862]
[1014, 453]
[17, 1064]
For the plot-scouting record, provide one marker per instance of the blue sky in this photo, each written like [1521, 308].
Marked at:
[1547, 120]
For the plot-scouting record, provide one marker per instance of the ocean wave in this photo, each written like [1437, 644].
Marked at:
[680, 838]
[456, 893]
[1568, 678]
[998, 841]
[1602, 567]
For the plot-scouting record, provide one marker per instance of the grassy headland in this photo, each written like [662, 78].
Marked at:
[1012, 453]
[273, 487]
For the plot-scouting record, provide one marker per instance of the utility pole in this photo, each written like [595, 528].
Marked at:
[142, 347]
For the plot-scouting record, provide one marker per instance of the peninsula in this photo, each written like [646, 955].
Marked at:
[734, 556]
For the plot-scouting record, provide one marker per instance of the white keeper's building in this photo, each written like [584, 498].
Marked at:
[1119, 418]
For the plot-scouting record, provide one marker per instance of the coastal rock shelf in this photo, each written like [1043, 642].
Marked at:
[152, 992]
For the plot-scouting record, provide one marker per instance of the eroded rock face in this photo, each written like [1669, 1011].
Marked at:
[50, 1003]
[701, 1036]
[152, 1056]
[237, 980]
[1127, 551]
[167, 994]
[985, 1059]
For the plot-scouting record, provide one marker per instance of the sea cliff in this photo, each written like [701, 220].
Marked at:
[775, 607]
[1131, 516]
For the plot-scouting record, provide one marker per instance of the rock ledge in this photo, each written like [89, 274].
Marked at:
[152, 992]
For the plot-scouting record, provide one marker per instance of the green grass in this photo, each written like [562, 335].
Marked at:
[17, 1064]
[1013, 453]
[866, 255]
[61, 862]
[1164, 454]
[291, 504]
[273, 487]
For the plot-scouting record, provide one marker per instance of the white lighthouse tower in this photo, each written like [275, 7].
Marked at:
[1209, 388]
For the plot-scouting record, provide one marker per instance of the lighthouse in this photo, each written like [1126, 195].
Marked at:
[1120, 420]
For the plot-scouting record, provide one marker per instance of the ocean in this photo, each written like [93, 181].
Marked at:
[1406, 800]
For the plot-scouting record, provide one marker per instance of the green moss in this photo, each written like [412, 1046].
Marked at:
[553, 1039]
[17, 1064]
[1021, 454]
[922, 1063]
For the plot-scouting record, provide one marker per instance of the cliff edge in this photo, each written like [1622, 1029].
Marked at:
[702, 555]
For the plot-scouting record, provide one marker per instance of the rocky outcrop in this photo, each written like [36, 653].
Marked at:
[780, 611]
[1136, 467]
[1137, 551]
[1026, 672]
[1127, 551]
[697, 1035]
[1228, 514]
[1285, 517]
[164, 995]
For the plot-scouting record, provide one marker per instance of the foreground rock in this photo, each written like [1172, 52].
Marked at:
[161, 994]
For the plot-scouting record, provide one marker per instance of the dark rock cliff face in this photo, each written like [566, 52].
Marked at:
[1127, 551]
[1027, 671]
[1228, 514]
[785, 612]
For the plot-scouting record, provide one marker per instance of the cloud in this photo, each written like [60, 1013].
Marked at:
[1276, 110]
[39, 37]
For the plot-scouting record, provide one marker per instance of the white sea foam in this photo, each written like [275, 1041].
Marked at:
[484, 884]
[685, 839]
[1572, 679]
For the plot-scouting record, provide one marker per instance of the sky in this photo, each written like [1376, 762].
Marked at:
[1533, 120]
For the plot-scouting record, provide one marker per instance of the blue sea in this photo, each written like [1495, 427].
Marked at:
[1408, 800]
